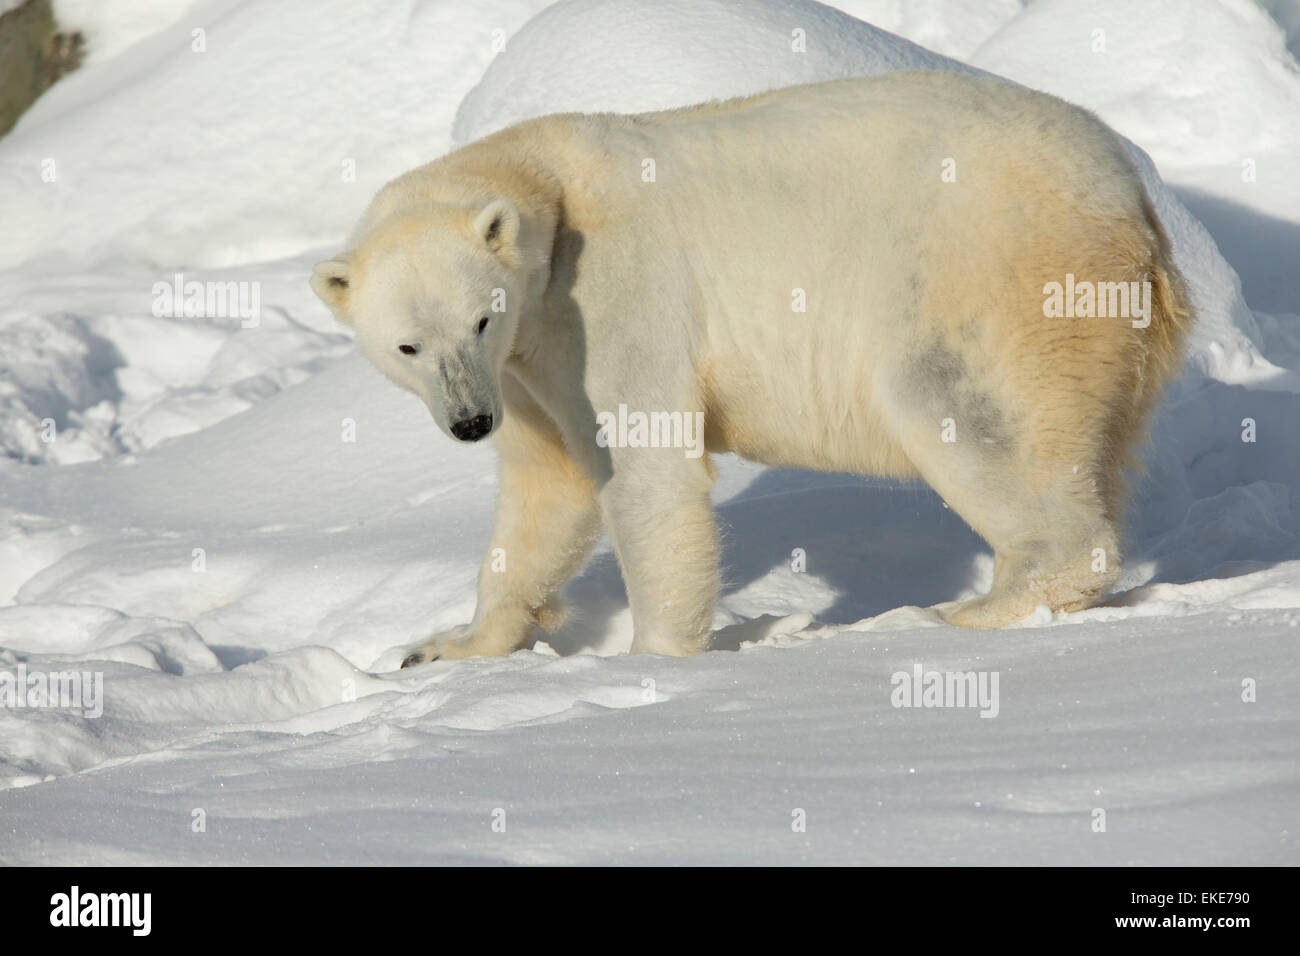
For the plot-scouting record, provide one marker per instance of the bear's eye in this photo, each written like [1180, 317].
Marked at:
[408, 349]
[482, 324]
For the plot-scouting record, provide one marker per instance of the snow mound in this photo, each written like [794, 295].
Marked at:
[1169, 75]
[152, 699]
[89, 632]
[952, 27]
[1209, 90]
[627, 57]
[99, 375]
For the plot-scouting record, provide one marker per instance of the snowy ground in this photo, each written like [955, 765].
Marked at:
[241, 528]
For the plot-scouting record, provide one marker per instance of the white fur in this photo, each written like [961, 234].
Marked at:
[924, 306]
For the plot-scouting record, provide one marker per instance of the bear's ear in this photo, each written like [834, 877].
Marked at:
[332, 281]
[497, 224]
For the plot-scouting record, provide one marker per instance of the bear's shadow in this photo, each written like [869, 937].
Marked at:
[868, 546]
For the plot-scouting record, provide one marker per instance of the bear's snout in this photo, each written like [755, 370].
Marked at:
[472, 429]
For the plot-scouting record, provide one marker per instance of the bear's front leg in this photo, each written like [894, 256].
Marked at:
[547, 523]
[659, 516]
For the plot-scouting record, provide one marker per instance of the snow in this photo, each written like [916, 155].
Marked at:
[955, 28]
[111, 28]
[1177, 77]
[636, 57]
[221, 188]
[204, 535]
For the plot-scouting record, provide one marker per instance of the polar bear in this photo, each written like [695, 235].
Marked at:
[917, 274]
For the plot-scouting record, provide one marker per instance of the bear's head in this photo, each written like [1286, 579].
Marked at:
[433, 292]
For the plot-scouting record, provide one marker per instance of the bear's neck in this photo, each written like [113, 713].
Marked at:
[528, 164]
[513, 165]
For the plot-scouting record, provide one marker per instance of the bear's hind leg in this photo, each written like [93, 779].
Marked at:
[1052, 547]
[1069, 574]
[1037, 485]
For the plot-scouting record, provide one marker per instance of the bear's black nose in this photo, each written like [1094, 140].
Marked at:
[472, 429]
